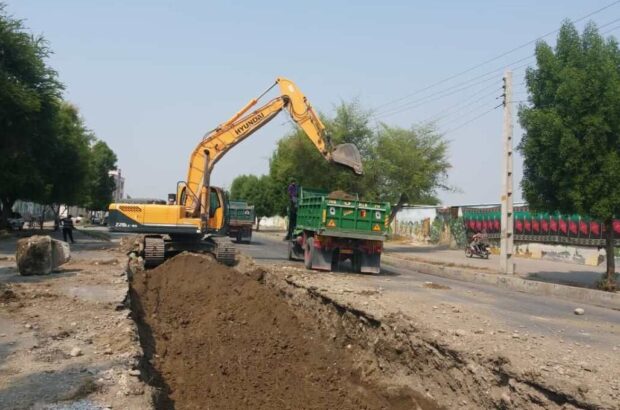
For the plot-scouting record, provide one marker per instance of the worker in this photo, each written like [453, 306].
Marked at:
[67, 228]
[292, 208]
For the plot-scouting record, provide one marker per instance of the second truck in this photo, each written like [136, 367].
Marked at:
[241, 220]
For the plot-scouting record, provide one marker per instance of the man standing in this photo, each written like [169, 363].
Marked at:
[292, 208]
[67, 228]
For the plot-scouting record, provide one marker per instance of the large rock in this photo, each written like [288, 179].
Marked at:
[40, 255]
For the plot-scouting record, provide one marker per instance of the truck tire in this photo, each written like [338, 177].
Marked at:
[309, 253]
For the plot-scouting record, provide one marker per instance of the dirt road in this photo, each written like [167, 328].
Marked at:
[66, 341]
[539, 341]
[272, 335]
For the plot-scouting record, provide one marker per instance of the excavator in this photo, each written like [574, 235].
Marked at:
[195, 217]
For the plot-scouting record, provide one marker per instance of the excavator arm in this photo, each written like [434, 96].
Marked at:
[194, 194]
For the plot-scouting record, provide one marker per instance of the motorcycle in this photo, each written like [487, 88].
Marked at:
[480, 249]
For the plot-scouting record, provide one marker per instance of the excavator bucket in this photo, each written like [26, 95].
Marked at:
[349, 156]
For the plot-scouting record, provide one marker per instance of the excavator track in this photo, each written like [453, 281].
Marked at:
[225, 251]
[154, 251]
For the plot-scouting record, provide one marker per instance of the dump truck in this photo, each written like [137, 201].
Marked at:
[241, 220]
[332, 228]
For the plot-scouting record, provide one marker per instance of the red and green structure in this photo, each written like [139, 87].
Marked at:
[544, 227]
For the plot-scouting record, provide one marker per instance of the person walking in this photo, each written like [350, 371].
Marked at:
[67, 228]
[292, 208]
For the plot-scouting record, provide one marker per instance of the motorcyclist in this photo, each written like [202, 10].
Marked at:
[477, 241]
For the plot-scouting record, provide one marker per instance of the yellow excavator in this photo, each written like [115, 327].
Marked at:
[195, 217]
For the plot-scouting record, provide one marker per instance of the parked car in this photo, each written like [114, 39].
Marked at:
[16, 221]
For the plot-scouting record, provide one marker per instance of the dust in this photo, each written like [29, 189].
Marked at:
[217, 338]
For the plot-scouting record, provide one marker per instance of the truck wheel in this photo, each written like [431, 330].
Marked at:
[309, 253]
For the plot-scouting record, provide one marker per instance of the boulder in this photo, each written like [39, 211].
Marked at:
[40, 255]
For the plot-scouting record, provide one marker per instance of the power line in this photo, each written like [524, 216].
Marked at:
[494, 58]
[379, 113]
[440, 94]
[461, 104]
[471, 120]
[469, 112]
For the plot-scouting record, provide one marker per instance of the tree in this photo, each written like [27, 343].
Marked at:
[396, 160]
[571, 144]
[410, 161]
[29, 102]
[67, 168]
[101, 183]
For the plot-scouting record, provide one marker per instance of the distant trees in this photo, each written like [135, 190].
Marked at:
[101, 184]
[257, 191]
[45, 148]
[396, 160]
[571, 145]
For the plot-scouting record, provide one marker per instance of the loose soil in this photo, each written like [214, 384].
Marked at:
[342, 195]
[215, 338]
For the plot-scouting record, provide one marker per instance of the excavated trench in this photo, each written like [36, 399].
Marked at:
[216, 338]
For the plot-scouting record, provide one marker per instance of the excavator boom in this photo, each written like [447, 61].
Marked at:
[243, 124]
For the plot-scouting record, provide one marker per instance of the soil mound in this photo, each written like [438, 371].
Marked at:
[342, 196]
[219, 339]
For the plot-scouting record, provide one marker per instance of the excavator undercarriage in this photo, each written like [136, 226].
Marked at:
[158, 248]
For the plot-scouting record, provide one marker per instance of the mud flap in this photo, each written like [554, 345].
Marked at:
[371, 263]
[349, 156]
[295, 252]
[322, 260]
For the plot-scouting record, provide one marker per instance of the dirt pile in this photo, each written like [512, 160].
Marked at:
[6, 293]
[342, 195]
[218, 339]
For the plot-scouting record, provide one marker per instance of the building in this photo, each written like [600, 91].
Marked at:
[119, 184]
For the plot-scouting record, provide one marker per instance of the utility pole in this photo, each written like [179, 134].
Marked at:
[506, 245]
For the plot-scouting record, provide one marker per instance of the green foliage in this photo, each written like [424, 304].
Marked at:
[436, 230]
[572, 129]
[29, 96]
[411, 161]
[101, 187]
[457, 229]
[257, 191]
[67, 169]
[46, 150]
[571, 144]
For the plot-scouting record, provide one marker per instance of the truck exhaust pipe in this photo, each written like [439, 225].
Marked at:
[349, 156]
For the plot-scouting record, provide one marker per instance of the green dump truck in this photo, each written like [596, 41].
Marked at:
[241, 219]
[332, 228]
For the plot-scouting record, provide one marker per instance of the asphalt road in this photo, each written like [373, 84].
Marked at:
[599, 327]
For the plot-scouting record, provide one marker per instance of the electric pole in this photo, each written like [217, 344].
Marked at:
[506, 245]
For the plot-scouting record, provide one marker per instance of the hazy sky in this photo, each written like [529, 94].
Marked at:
[152, 76]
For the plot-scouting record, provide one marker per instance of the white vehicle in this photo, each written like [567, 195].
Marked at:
[16, 222]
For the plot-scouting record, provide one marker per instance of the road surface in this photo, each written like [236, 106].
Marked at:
[547, 316]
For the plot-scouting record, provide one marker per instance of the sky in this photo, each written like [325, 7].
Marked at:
[151, 77]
